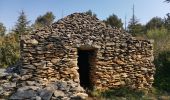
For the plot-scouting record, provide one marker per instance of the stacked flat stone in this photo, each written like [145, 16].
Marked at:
[50, 54]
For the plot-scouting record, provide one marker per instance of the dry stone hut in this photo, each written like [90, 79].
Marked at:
[83, 49]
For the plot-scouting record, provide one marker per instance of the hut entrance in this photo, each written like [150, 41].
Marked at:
[86, 60]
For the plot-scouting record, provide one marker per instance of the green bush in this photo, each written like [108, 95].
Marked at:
[157, 33]
[162, 76]
[9, 50]
[161, 39]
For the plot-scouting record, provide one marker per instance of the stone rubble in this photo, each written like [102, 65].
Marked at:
[31, 90]
[60, 90]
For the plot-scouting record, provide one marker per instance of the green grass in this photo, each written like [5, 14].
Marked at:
[129, 94]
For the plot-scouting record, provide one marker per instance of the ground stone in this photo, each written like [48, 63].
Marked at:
[21, 95]
[58, 93]
[46, 94]
[82, 95]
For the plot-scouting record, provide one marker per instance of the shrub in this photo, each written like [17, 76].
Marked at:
[9, 50]
[162, 76]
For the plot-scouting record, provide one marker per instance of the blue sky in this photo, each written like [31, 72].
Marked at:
[144, 9]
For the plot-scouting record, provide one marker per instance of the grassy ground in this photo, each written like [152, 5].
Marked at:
[127, 94]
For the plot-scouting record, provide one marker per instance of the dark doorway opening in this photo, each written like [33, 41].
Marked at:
[85, 62]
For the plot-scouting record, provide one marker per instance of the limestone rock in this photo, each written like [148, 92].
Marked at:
[21, 95]
[83, 96]
[59, 93]
[34, 42]
[46, 94]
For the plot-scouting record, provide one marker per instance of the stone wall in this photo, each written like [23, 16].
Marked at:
[50, 54]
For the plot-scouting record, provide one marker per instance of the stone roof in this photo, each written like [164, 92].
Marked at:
[81, 23]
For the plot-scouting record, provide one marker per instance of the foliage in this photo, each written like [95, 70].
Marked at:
[157, 30]
[155, 23]
[44, 21]
[125, 93]
[162, 76]
[157, 33]
[134, 27]
[122, 92]
[22, 25]
[167, 21]
[161, 39]
[9, 50]
[89, 12]
[118, 94]
[2, 29]
[114, 21]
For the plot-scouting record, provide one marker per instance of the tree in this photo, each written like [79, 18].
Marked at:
[167, 21]
[89, 12]
[114, 21]
[44, 21]
[22, 25]
[2, 29]
[134, 27]
[155, 23]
